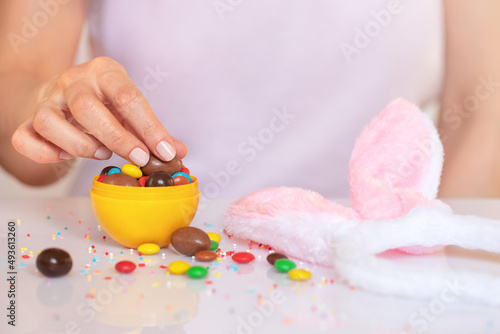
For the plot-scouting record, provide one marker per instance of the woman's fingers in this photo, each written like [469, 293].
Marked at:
[50, 122]
[129, 102]
[89, 111]
[29, 143]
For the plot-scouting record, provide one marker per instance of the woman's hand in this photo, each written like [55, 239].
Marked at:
[90, 111]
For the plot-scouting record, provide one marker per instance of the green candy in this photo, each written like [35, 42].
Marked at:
[197, 272]
[284, 265]
[214, 246]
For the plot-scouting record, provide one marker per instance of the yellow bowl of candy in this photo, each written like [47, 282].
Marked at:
[133, 216]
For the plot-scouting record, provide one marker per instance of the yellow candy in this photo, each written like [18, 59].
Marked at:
[148, 249]
[214, 236]
[132, 170]
[178, 267]
[299, 274]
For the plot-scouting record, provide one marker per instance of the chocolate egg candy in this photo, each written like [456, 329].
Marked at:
[190, 240]
[106, 170]
[159, 179]
[120, 179]
[271, 258]
[156, 165]
[54, 262]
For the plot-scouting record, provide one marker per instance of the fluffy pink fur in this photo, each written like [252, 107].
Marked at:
[395, 166]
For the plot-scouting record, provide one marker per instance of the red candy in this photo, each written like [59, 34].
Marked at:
[243, 257]
[142, 181]
[185, 170]
[125, 267]
[102, 177]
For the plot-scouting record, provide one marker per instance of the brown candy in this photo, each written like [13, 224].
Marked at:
[120, 179]
[179, 180]
[205, 256]
[159, 179]
[106, 170]
[190, 240]
[156, 165]
[273, 257]
[54, 262]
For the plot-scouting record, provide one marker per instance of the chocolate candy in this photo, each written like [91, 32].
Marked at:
[214, 245]
[178, 267]
[142, 181]
[197, 272]
[214, 236]
[190, 240]
[271, 258]
[120, 179]
[156, 165]
[132, 170]
[159, 179]
[243, 257]
[148, 249]
[107, 169]
[125, 267]
[284, 265]
[54, 262]
[299, 274]
[101, 178]
[181, 178]
[205, 256]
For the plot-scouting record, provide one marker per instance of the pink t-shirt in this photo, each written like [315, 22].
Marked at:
[270, 93]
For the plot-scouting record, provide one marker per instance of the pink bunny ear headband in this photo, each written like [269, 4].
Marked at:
[394, 174]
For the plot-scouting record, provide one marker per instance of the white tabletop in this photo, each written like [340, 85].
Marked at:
[233, 298]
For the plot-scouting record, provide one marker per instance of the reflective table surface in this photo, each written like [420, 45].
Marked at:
[233, 298]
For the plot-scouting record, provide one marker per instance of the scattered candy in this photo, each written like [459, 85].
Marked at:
[159, 179]
[205, 255]
[214, 236]
[214, 245]
[189, 240]
[120, 179]
[271, 258]
[132, 170]
[178, 267]
[197, 272]
[125, 267]
[107, 169]
[243, 257]
[54, 262]
[156, 165]
[148, 248]
[284, 265]
[299, 274]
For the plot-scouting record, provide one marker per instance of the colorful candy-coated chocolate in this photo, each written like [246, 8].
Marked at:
[120, 179]
[148, 248]
[271, 258]
[299, 274]
[284, 265]
[214, 245]
[205, 255]
[185, 170]
[125, 267]
[190, 240]
[214, 236]
[178, 267]
[101, 178]
[243, 257]
[156, 165]
[54, 262]
[132, 170]
[105, 170]
[114, 170]
[180, 180]
[142, 181]
[197, 272]
[187, 176]
[159, 179]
